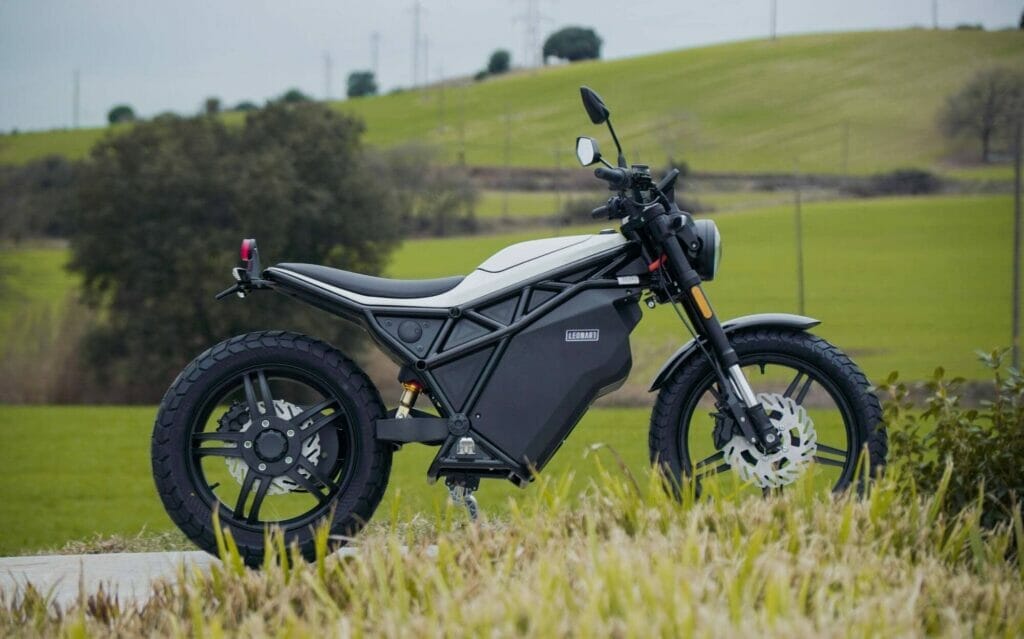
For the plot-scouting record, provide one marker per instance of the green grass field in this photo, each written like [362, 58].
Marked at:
[35, 284]
[524, 204]
[73, 471]
[745, 106]
[902, 284]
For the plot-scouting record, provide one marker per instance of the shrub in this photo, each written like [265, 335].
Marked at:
[985, 445]
[433, 199]
[899, 182]
[35, 198]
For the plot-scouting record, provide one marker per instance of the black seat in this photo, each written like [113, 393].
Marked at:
[374, 286]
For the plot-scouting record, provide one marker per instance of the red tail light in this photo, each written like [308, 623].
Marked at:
[246, 251]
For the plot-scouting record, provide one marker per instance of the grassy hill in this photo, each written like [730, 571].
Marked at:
[861, 102]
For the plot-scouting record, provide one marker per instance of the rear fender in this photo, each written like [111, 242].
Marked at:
[762, 320]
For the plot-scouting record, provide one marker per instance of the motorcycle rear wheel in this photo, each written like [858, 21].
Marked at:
[270, 429]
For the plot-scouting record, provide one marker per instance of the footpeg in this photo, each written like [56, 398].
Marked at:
[461, 490]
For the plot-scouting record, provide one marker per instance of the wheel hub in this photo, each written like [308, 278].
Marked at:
[271, 445]
[799, 443]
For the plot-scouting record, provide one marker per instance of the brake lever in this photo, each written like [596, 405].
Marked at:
[607, 210]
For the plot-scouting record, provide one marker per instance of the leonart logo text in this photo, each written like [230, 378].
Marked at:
[582, 335]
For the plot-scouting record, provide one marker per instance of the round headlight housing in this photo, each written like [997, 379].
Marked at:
[709, 254]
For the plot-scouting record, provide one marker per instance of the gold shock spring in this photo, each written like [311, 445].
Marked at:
[410, 391]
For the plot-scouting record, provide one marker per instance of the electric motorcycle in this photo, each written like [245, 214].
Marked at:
[278, 428]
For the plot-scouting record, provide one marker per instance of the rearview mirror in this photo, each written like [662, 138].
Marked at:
[594, 105]
[587, 152]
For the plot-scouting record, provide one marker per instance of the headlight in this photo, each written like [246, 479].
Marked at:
[709, 255]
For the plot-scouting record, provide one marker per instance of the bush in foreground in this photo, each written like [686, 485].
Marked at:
[986, 445]
[625, 561]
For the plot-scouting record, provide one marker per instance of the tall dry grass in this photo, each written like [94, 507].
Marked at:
[627, 561]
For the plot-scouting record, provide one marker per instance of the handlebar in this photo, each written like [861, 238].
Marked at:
[616, 178]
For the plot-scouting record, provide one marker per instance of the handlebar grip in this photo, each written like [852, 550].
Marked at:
[601, 211]
[615, 177]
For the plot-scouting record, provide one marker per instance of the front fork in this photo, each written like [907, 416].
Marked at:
[738, 397]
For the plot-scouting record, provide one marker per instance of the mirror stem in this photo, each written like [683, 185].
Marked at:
[622, 157]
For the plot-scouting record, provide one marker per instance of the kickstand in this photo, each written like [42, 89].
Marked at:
[461, 490]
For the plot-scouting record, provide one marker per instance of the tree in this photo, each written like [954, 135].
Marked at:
[361, 83]
[294, 96]
[434, 199]
[36, 198]
[499, 62]
[987, 108]
[162, 208]
[572, 44]
[211, 106]
[244, 106]
[120, 113]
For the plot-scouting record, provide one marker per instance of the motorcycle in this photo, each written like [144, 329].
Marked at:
[278, 428]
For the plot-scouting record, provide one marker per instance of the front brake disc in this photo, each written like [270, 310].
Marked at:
[799, 443]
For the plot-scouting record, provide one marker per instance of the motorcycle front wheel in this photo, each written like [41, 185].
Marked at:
[816, 397]
[270, 429]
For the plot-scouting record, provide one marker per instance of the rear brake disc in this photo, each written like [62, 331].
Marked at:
[237, 419]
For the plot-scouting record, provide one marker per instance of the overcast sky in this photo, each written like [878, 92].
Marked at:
[171, 54]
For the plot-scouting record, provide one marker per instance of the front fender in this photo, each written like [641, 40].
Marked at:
[761, 320]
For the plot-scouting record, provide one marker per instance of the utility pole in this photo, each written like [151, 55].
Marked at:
[508, 161]
[417, 10]
[1015, 315]
[462, 126]
[374, 53]
[935, 15]
[426, 61]
[774, 11]
[846, 148]
[75, 96]
[327, 75]
[799, 232]
[531, 33]
[440, 99]
[557, 151]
